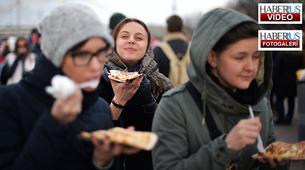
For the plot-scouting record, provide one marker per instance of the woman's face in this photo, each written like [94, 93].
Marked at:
[87, 62]
[22, 47]
[238, 64]
[131, 43]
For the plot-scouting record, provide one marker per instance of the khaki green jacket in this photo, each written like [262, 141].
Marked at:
[184, 142]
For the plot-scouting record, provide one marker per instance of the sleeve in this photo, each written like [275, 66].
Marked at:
[271, 135]
[38, 151]
[145, 97]
[106, 91]
[11, 139]
[172, 151]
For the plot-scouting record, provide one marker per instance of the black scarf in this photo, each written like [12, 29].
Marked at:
[249, 96]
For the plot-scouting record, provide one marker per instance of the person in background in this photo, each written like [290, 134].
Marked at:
[39, 132]
[34, 37]
[35, 41]
[4, 50]
[205, 124]
[172, 54]
[133, 102]
[19, 62]
[115, 19]
[285, 83]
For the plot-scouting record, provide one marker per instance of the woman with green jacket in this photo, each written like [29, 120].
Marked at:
[205, 124]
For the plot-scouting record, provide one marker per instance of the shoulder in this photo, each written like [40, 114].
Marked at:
[32, 56]
[177, 91]
[10, 97]
[8, 91]
[101, 111]
[173, 108]
[158, 53]
[10, 58]
[177, 96]
[105, 79]
[102, 104]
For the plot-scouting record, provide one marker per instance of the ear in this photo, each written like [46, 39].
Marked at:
[212, 59]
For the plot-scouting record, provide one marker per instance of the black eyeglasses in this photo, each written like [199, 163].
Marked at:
[83, 58]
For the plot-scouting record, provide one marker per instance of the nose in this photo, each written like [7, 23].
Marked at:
[95, 64]
[251, 64]
[131, 41]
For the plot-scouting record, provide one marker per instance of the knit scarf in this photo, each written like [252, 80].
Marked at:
[148, 67]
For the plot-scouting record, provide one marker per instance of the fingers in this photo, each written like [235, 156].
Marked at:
[113, 149]
[136, 84]
[67, 109]
[104, 146]
[130, 151]
[138, 81]
[250, 129]
[126, 90]
[244, 133]
[252, 121]
[117, 149]
[72, 104]
[261, 159]
[131, 128]
[113, 82]
[102, 151]
[268, 159]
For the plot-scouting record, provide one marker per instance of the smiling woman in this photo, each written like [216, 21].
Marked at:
[133, 102]
[131, 43]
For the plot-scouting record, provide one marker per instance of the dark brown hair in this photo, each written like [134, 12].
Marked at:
[239, 32]
[127, 20]
[174, 24]
[19, 39]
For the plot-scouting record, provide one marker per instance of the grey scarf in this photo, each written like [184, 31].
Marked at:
[159, 83]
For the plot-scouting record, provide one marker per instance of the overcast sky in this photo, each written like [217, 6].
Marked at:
[30, 12]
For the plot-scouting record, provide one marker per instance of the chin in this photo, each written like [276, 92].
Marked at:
[89, 89]
[243, 86]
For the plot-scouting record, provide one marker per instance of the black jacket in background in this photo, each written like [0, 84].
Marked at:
[286, 63]
[179, 47]
[31, 139]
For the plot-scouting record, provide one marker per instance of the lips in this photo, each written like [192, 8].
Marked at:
[247, 77]
[95, 78]
[130, 49]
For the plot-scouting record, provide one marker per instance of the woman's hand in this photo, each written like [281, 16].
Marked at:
[105, 151]
[244, 133]
[123, 92]
[66, 110]
[268, 159]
